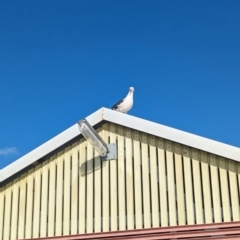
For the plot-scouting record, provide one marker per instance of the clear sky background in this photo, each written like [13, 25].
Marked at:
[62, 60]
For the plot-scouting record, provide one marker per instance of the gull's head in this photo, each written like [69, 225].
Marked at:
[131, 89]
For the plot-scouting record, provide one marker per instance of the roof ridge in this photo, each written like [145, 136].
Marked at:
[139, 124]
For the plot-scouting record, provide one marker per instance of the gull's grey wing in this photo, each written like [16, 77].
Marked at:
[115, 106]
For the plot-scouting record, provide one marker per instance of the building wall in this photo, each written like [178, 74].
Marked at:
[154, 182]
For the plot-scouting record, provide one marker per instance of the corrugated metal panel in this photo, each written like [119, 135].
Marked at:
[121, 181]
[44, 199]
[162, 184]
[145, 181]
[218, 231]
[105, 185]
[74, 188]
[36, 201]
[113, 183]
[215, 187]
[97, 193]
[233, 184]
[15, 208]
[7, 212]
[82, 188]
[29, 204]
[179, 186]
[52, 196]
[129, 179]
[2, 202]
[206, 188]
[153, 182]
[172, 221]
[137, 181]
[188, 180]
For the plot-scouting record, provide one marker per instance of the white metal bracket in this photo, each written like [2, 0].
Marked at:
[112, 152]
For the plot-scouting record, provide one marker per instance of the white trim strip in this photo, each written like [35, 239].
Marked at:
[39, 152]
[142, 125]
[172, 134]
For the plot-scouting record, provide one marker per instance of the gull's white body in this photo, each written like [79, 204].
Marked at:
[125, 104]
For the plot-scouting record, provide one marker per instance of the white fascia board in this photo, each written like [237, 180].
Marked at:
[172, 134]
[47, 148]
[39, 152]
[96, 117]
[142, 125]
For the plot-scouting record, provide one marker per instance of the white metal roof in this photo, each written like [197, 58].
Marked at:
[158, 130]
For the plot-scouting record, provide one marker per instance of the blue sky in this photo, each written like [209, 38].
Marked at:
[61, 61]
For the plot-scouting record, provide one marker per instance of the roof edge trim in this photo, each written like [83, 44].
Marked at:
[135, 123]
[173, 134]
[47, 147]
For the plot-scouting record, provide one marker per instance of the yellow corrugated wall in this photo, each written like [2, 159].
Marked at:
[154, 182]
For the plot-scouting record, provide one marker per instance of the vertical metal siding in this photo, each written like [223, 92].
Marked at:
[74, 188]
[224, 189]
[97, 193]
[198, 194]
[215, 187]
[44, 200]
[153, 182]
[137, 181]
[129, 180]
[59, 194]
[121, 181]
[234, 195]
[206, 188]
[52, 196]
[162, 175]
[7, 212]
[15, 205]
[29, 204]
[113, 182]
[36, 201]
[82, 193]
[89, 189]
[105, 185]
[2, 202]
[179, 185]
[145, 181]
[22, 206]
[171, 185]
[188, 181]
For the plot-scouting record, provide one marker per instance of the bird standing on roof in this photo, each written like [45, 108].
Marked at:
[126, 103]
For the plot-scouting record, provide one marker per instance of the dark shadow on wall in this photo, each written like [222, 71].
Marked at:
[91, 165]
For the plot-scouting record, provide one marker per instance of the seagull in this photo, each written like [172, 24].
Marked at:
[126, 103]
